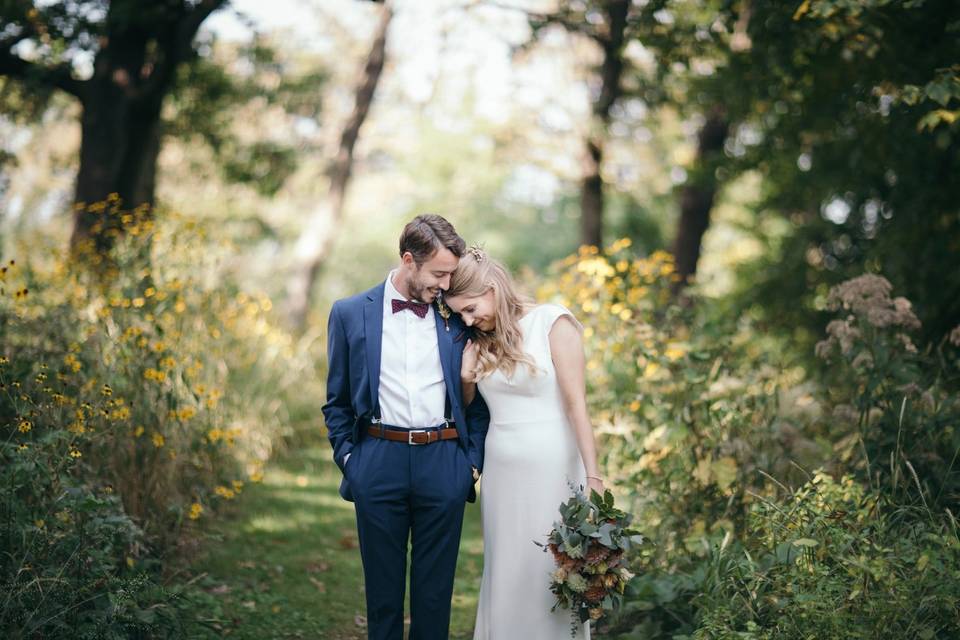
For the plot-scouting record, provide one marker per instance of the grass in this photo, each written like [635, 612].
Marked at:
[285, 564]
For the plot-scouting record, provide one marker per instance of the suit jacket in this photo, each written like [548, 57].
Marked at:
[354, 338]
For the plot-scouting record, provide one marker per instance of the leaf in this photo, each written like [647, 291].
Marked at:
[940, 92]
[931, 120]
[702, 472]
[805, 542]
[724, 471]
[605, 529]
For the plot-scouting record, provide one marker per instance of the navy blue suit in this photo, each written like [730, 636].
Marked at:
[400, 491]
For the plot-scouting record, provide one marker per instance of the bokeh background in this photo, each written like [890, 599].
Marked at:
[752, 206]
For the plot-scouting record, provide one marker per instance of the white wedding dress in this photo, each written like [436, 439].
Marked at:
[530, 456]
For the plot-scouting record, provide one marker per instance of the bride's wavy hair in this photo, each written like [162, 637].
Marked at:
[501, 348]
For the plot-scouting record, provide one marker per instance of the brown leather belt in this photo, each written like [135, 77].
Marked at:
[412, 436]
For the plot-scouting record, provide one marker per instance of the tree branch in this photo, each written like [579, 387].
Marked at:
[539, 21]
[57, 76]
[179, 47]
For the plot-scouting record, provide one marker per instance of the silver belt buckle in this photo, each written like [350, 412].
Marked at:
[410, 436]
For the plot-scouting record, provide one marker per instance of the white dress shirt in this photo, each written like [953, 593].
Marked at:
[412, 389]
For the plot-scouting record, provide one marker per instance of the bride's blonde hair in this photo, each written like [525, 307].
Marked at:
[501, 348]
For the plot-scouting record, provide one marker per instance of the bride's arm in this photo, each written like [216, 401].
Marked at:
[566, 348]
[469, 391]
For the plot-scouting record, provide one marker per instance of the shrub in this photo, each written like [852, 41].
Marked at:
[691, 406]
[835, 560]
[895, 408]
[140, 392]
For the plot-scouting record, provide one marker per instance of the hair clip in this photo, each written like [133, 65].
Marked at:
[477, 253]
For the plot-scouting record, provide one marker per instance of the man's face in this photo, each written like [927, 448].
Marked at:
[425, 281]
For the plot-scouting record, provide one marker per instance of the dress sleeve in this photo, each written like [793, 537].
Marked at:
[550, 313]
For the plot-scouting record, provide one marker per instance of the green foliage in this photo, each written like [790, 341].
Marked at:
[691, 406]
[71, 559]
[848, 111]
[834, 560]
[703, 423]
[891, 403]
[138, 395]
[211, 97]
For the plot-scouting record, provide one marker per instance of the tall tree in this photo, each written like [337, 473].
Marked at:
[606, 23]
[136, 49]
[850, 112]
[319, 229]
[697, 195]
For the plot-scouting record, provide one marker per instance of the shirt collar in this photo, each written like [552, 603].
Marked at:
[390, 292]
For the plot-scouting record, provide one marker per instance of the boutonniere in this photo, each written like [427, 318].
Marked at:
[444, 312]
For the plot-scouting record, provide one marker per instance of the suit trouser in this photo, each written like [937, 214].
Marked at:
[415, 492]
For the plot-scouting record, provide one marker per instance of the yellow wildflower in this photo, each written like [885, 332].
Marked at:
[158, 440]
[196, 509]
[75, 453]
[25, 426]
[674, 352]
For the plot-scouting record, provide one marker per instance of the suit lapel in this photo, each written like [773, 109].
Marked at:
[373, 333]
[451, 373]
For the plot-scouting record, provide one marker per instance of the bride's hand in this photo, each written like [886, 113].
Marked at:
[468, 365]
[596, 484]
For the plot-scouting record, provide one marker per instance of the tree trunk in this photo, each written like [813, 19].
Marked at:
[610, 72]
[591, 195]
[320, 228]
[696, 197]
[120, 143]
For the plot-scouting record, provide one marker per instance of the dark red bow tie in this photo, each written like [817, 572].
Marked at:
[419, 308]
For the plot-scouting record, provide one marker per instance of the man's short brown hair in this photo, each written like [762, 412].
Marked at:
[428, 233]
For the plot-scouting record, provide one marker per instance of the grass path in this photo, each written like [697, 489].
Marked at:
[285, 563]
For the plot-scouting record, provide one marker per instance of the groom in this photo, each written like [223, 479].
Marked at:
[410, 452]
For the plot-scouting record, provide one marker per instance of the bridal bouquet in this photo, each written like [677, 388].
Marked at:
[588, 545]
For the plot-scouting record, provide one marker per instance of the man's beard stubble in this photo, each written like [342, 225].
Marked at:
[418, 290]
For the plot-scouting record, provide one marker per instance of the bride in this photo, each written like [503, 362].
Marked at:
[527, 362]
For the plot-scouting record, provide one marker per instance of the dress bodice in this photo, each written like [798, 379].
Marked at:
[511, 399]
